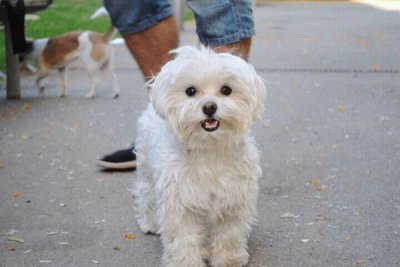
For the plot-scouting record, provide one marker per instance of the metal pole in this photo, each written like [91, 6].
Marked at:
[13, 83]
[179, 12]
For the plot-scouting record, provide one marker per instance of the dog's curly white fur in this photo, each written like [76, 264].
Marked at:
[198, 165]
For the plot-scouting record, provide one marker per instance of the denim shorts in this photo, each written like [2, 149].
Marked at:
[218, 22]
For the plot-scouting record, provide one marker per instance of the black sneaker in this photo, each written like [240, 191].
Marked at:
[119, 160]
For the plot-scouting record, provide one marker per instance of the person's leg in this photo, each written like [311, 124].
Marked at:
[227, 26]
[240, 48]
[150, 47]
[150, 32]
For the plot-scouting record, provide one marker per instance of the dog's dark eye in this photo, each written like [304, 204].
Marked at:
[226, 90]
[191, 91]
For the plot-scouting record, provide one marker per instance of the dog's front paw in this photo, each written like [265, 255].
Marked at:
[185, 263]
[147, 226]
[148, 230]
[230, 259]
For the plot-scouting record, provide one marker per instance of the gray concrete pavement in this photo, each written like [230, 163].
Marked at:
[329, 141]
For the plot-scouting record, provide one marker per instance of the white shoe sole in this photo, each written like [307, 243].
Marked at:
[117, 165]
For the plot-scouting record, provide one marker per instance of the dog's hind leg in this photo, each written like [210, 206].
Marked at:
[63, 86]
[42, 74]
[145, 202]
[109, 69]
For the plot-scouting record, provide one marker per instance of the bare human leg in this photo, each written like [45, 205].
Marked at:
[240, 48]
[150, 47]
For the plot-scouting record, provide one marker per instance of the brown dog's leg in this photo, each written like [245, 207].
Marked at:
[42, 74]
[63, 88]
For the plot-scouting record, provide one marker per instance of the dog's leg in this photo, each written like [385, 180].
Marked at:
[95, 81]
[42, 74]
[182, 234]
[229, 242]
[110, 70]
[145, 201]
[63, 86]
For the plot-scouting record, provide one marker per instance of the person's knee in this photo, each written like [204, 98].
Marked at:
[222, 22]
[135, 16]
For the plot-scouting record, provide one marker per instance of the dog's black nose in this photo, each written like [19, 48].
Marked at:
[209, 108]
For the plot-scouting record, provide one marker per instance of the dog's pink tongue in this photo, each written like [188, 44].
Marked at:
[211, 124]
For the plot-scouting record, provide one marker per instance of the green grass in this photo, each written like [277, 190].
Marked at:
[188, 14]
[62, 16]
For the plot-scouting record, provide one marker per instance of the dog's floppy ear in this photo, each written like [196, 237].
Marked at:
[260, 94]
[158, 87]
[160, 84]
[157, 92]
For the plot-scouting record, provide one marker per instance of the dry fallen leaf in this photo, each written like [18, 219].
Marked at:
[26, 107]
[321, 217]
[287, 215]
[376, 67]
[24, 137]
[360, 261]
[129, 236]
[117, 248]
[16, 239]
[340, 109]
[16, 195]
[321, 188]
[314, 181]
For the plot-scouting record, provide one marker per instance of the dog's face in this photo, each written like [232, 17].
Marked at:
[207, 97]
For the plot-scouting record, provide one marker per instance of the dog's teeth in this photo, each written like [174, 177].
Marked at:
[210, 124]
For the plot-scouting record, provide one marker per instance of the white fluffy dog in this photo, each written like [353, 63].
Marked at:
[198, 166]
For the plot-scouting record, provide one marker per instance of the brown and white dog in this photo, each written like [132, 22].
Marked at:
[58, 52]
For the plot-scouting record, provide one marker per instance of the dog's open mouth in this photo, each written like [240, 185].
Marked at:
[210, 124]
